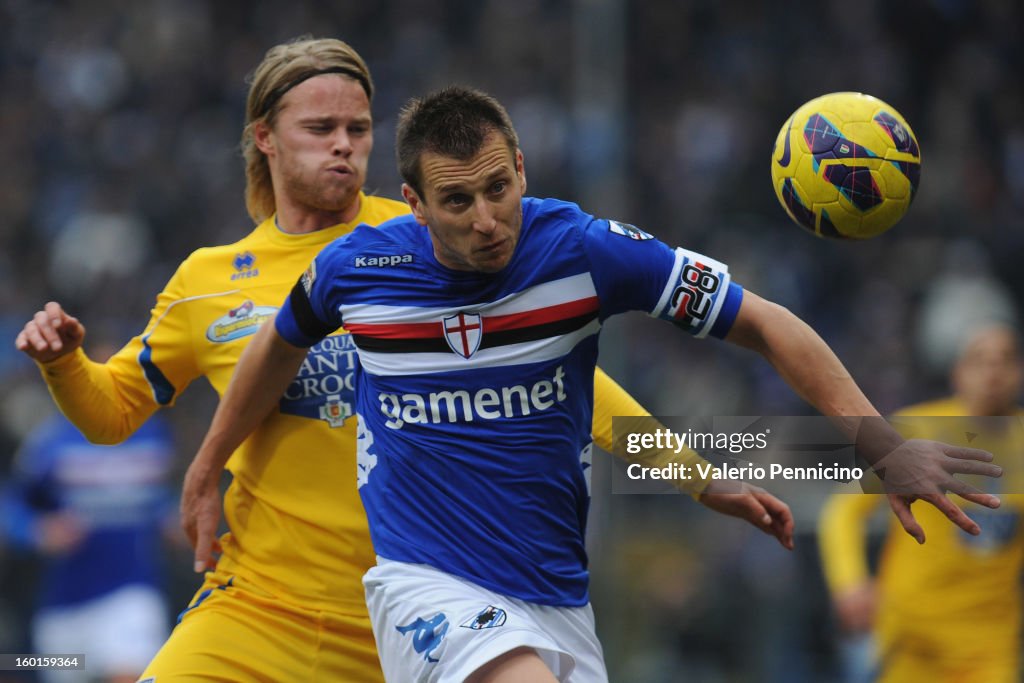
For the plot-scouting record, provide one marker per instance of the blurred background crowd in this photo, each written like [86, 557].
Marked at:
[119, 125]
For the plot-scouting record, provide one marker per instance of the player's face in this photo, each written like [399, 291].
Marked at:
[320, 144]
[989, 373]
[473, 209]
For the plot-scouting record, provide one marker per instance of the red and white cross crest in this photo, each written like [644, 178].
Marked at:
[463, 332]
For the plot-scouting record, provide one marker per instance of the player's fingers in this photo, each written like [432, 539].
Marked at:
[965, 453]
[901, 508]
[55, 312]
[21, 341]
[203, 548]
[968, 492]
[188, 525]
[985, 469]
[985, 499]
[761, 517]
[953, 512]
[46, 329]
[752, 511]
[782, 523]
[73, 328]
[34, 341]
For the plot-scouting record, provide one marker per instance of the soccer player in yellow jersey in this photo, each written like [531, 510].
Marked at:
[284, 601]
[950, 610]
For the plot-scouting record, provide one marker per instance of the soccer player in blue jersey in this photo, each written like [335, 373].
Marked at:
[97, 516]
[476, 320]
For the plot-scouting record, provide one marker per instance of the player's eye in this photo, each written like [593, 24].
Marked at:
[457, 200]
[499, 187]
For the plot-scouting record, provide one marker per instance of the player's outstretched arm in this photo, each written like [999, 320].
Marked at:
[910, 470]
[262, 374]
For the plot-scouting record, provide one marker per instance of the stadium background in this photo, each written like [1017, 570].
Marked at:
[119, 124]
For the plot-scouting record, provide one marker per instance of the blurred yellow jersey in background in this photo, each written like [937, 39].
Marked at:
[950, 607]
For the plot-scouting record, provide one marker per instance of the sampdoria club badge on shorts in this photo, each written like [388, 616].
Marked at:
[488, 617]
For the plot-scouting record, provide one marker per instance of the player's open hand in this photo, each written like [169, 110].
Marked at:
[920, 469]
[50, 334]
[200, 515]
[754, 504]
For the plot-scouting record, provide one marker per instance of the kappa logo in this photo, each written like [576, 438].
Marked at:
[630, 231]
[385, 261]
[488, 617]
[426, 634]
[244, 265]
[463, 332]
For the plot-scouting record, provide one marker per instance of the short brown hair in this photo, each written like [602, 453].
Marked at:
[453, 122]
[283, 67]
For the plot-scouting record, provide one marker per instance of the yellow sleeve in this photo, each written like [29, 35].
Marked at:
[611, 400]
[108, 401]
[842, 539]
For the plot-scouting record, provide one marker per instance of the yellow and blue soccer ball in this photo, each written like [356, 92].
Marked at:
[846, 165]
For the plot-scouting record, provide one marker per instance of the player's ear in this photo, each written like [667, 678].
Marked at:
[261, 135]
[521, 170]
[415, 203]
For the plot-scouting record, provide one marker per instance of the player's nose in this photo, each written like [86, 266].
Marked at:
[484, 220]
[341, 143]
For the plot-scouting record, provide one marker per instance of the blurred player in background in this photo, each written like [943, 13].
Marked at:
[949, 610]
[476, 320]
[98, 516]
[284, 602]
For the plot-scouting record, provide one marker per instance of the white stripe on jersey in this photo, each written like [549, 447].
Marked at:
[572, 288]
[670, 285]
[389, 364]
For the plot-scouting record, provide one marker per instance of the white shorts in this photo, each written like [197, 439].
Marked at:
[434, 627]
[118, 633]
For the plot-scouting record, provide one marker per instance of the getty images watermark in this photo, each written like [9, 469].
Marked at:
[800, 455]
[733, 443]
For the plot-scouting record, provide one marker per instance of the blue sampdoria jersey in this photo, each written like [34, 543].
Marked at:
[119, 495]
[475, 393]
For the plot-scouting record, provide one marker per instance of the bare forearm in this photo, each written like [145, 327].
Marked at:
[808, 365]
